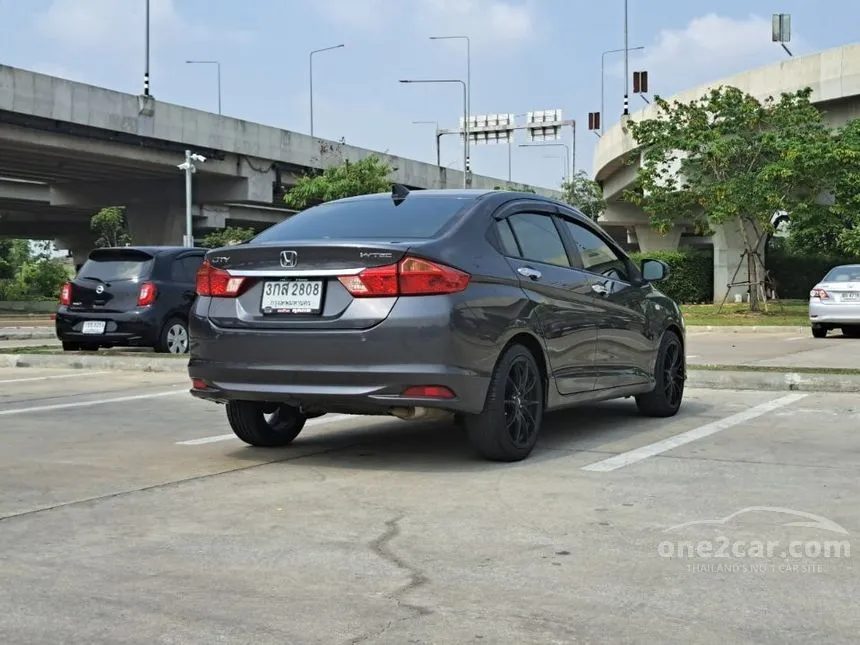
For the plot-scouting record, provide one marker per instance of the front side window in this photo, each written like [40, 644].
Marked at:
[597, 256]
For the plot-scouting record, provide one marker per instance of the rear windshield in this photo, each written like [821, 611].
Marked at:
[122, 266]
[415, 217]
[849, 273]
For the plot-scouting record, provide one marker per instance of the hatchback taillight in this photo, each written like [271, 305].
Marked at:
[146, 295]
[217, 283]
[409, 277]
[821, 294]
[66, 294]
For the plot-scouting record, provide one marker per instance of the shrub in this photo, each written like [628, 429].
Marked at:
[691, 278]
[795, 275]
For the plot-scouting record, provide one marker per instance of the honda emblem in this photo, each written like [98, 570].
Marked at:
[289, 259]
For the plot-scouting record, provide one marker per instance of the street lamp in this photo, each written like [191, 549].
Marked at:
[311, 77]
[603, 80]
[146, 55]
[190, 169]
[466, 180]
[438, 137]
[218, 66]
[468, 67]
[552, 145]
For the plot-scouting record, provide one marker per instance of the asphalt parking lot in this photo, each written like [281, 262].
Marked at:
[129, 514]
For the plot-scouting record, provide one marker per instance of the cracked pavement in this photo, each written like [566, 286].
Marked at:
[141, 521]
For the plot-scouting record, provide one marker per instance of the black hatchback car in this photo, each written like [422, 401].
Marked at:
[132, 296]
[491, 306]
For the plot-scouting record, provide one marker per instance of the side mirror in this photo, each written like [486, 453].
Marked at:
[654, 270]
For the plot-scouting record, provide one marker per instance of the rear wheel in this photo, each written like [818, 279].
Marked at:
[819, 331]
[851, 331]
[669, 373]
[508, 427]
[265, 425]
[174, 338]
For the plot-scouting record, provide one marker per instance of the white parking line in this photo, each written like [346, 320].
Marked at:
[48, 378]
[632, 456]
[225, 437]
[83, 404]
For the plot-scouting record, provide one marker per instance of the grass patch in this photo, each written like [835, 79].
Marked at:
[783, 313]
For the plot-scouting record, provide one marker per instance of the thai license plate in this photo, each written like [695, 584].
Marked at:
[93, 327]
[851, 295]
[292, 297]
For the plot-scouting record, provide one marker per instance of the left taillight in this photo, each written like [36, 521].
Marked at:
[217, 283]
[66, 294]
[146, 295]
[409, 277]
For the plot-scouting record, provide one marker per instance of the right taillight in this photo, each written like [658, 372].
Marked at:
[409, 277]
[821, 294]
[217, 283]
[66, 294]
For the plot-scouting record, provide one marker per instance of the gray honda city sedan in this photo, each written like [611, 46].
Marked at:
[486, 306]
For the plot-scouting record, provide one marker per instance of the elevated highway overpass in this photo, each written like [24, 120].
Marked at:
[87, 147]
[833, 75]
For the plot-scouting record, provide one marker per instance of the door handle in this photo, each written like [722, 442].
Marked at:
[600, 288]
[528, 272]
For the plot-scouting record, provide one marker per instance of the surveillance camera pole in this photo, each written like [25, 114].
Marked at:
[189, 169]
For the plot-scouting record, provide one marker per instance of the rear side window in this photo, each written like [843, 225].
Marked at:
[539, 239]
[418, 216]
[119, 265]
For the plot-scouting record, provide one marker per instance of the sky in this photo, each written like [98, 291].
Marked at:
[526, 55]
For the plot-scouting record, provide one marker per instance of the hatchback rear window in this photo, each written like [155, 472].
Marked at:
[117, 266]
[418, 216]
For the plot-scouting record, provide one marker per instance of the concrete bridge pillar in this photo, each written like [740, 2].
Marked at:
[156, 224]
[729, 246]
[651, 241]
[78, 245]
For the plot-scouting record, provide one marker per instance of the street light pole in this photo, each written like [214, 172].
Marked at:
[603, 81]
[438, 138]
[218, 67]
[466, 180]
[146, 55]
[468, 67]
[311, 77]
[626, 57]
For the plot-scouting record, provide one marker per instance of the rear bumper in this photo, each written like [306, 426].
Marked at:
[139, 327]
[834, 314]
[347, 371]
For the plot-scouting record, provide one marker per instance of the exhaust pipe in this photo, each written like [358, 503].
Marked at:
[419, 413]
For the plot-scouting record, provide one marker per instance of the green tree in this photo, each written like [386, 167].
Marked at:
[227, 236]
[110, 226]
[837, 230]
[738, 161]
[41, 278]
[347, 179]
[584, 193]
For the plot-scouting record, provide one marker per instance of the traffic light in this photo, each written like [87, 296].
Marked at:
[594, 121]
[640, 82]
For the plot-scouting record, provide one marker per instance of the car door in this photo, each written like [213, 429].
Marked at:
[547, 273]
[625, 346]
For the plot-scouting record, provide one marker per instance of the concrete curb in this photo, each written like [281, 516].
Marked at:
[81, 362]
[785, 380]
[27, 333]
[750, 329]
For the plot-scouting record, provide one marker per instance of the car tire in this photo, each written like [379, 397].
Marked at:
[819, 331]
[851, 331]
[508, 427]
[174, 338]
[248, 421]
[669, 376]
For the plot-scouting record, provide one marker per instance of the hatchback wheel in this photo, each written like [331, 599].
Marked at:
[508, 428]
[669, 374]
[265, 425]
[174, 338]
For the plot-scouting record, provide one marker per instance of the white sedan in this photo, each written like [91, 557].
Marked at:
[835, 302]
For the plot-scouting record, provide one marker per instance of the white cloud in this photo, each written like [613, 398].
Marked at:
[110, 25]
[708, 49]
[487, 22]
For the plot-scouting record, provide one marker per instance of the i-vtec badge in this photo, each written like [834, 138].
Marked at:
[289, 259]
[374, 254]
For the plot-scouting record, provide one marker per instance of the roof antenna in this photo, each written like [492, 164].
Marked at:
[399, 192]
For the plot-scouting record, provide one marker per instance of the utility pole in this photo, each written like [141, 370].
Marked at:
[626, 64]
